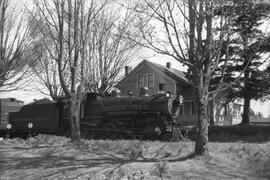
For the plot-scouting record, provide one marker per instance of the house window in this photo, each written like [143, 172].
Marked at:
[188, 108]
[146, 80]
[150, 81]
[161, 87]
[236, 113]
[225, 110]
[140, 81]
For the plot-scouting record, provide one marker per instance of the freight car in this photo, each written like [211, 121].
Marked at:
[101, 117]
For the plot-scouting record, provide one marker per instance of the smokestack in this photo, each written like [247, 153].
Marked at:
[127, 70]
[168, 65]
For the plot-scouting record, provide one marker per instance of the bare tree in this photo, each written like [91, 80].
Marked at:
[15, 47]
[189, 32]
[62, 33]
[104, 48]
[47, 77]
[45, 68]
[87, 46]
[109, 49]
[80, 46]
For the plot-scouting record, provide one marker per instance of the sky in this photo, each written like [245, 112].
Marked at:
[29, 95]
[262, 107]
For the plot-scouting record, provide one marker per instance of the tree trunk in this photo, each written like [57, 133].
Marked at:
[210, 113]
[74, 113]
[202, 126]
[245, 117]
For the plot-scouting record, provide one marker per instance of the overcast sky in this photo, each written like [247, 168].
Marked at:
[29, 95]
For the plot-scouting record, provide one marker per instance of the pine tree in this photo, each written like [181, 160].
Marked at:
[247, 47]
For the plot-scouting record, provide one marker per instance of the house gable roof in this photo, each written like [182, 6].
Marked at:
[174, 74]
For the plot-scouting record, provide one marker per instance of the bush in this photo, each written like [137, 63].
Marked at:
[249, 133]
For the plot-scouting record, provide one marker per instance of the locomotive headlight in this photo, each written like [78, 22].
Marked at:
[158, 130]
[30, 125]
[168, 94]
[130, 93]
[9, 126]
[181, 98]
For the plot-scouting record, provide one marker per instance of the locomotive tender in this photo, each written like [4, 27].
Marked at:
[102, 117]
[44, 116]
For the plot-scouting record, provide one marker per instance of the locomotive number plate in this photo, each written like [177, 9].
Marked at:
[169, 128]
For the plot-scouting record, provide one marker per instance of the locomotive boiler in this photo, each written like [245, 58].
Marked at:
[127, 116]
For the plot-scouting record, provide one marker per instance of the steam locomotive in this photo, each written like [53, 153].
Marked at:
[116, 117]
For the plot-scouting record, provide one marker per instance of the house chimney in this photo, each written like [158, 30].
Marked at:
[127, 70]
[168, 65]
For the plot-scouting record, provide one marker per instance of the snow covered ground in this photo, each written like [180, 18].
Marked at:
[54, 157]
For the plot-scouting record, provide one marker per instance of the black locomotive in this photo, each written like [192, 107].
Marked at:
[101, 117]
[120, 117]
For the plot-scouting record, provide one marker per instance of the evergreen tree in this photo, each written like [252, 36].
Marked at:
[247, 46]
